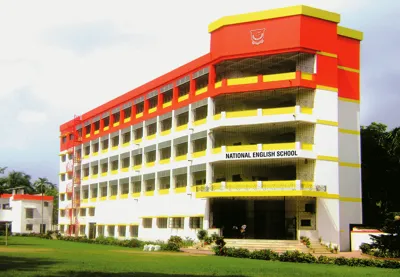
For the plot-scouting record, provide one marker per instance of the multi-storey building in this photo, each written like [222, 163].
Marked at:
[263, 131]
[26, 213]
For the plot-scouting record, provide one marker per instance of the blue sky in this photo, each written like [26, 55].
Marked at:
[60, 58]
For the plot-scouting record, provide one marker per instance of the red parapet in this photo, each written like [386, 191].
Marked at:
[69, 188]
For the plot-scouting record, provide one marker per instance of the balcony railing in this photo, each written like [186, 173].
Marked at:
[286, 185]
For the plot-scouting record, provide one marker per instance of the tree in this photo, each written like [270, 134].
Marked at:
[380, 155]
[2, 180]
[17, 179]
[44, 187]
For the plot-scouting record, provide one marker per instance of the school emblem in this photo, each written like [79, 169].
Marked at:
[257, 36]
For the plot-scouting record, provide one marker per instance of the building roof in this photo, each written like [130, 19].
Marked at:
[17, 197]
[285, 12]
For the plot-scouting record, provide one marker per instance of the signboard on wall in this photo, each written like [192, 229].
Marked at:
[261, 154]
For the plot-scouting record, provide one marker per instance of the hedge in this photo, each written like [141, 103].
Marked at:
[299, 257]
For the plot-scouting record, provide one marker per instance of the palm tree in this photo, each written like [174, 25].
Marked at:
[16, 179]
[43, 185]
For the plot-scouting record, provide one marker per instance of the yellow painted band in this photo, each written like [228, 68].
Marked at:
[327, 158]
[350, 33]
[349, 100]
[350, 132]
[275, 13]
[355, 165]
[350, 199]
[318, 194]
[327, 88]
[348, 69]
[327, 122]
[327, 54]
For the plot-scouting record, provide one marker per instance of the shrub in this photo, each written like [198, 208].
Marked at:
[219, 241]
[187, 242]
[325, 260]
[201, 235]
[176, 240]
[297, 257]
[238, 252]
[265, 254]
[208, 240]
[365, 248]
[171, 246]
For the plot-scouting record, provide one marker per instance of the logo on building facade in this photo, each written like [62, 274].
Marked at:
[257, 36]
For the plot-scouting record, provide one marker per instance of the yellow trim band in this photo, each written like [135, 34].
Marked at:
[327, 88]
[349, 100]
[271, 14]
[350, 199]
[355, 165]
[327, 122]
[348, 69]
[350, 33]
[318, 194]
[326, 54]
[327, 158]
[350, 132]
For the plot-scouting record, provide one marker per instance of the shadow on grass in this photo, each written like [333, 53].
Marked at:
[24, 264]
[128, 274]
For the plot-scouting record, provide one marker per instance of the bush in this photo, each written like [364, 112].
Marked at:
[176, 240]
[265, 254]
[365, 248]
[187, 242]
[171, 246]
[202, 234]
[208, 240]
[297, 257]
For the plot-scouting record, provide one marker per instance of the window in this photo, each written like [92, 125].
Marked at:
[94, 192]
[62, 229]
[151, 129]
[111, 230]
[106, 121]
[86, 172]
[176, 222]
[115, 141]
[136, 187]
[165, 153]
[91, 211]
[64, 140]
[114, 190]
[134, 230]
[88, 128]
[63, 158]
[45, 204]
[95, 147]
[126, 137]
[181, 149]
[153, 102]
[137, 160]
[121, 231]
[166, 124]
[29, 227]
[151, 156]
[95, 169]
[103, 191]
[62, 177]
[116, 117]
[147, 222]
[125, 188]
[62, 213]
[182, 119]
[165, 182]
[139, 108]
[167, 97]
[150, 185]
[87, 150]
[127, 113]
[96, 125]
[305, 223]
[28, 213]
[85, 194]
[125, 162]
[138, 133]
[82, 230]
[83, 212]
[104, 145]
[114, 165]
[162, 223]
[181, 180]
[104, 168]
[62, 197]
[100, 230]
[196, 223]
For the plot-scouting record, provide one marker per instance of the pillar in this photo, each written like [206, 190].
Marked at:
[250, 219]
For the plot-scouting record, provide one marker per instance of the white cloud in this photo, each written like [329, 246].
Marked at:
[31, 117]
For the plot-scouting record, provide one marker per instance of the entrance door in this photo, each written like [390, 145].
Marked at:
[92, 230]
[269, 219]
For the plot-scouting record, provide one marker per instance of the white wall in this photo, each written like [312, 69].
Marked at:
[350, 213]
[357, 238]
[328, 220]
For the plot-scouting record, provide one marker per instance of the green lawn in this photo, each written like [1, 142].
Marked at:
[37, 257]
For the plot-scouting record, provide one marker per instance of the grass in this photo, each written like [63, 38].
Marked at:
[26, 256]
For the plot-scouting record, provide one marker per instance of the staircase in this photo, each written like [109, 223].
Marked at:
[318, 249]
[275, 245]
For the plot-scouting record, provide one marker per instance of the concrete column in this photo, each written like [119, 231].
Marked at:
[206, 220]
[210, 108]
[190, 117]
[209, 173]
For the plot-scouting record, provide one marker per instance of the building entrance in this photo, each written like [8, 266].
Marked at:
[265, 219]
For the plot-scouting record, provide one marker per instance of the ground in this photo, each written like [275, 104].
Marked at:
[37, 257]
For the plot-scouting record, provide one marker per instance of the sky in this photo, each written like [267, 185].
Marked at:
[61, 58]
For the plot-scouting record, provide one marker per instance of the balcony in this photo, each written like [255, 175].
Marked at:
[260, 189]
